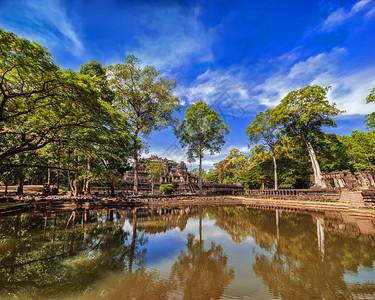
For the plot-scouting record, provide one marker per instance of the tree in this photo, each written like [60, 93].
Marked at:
[39, 103]
[201, 130]
[145, 98]
[360, 149]
[202, 273]
[154, 169]
[370, 118]
[264, 129]
[95, 70]
[303, 113]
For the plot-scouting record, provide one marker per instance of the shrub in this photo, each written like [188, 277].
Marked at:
[167, 189]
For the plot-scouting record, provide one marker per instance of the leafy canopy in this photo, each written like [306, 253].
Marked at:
[370, 118]
[305, 111]
[201, 130]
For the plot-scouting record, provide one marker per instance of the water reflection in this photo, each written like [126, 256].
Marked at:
[304, 256]
[203, 274]
[107, 254]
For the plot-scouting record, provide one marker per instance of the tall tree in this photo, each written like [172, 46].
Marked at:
[264, 129]
[39, 102]
[145, 98]
[201, 130]
[303, 113]
[154, 169]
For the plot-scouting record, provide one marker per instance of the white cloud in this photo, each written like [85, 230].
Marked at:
[340, 15]
[370, 14]
[226, 90]
[174, 38]
[349, 90]
[53, 13]
[47, 22]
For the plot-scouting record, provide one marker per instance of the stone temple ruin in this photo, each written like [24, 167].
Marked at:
[356, 189]
[346, 180]
[177, 174]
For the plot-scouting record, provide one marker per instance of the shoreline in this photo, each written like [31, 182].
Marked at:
[69, 203]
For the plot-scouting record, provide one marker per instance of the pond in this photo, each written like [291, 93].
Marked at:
[196, 252]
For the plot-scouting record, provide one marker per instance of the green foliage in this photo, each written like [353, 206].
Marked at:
[95, 70]
[40, 103]
[208, 176]
[155, 169]
[370, 118]
[145, 99]
[201, 130]
[143, 96]
[332, 154]
[292, 174]
[264, 129]
[211, 176]
[360, 149]
[304, 112]
[167, 188]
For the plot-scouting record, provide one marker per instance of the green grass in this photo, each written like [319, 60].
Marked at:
[63, 188]
[7, 204]
[34, 188]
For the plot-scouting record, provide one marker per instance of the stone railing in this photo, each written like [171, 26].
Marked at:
[296, 194]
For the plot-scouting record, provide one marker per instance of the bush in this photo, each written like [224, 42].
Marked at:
[167, 189]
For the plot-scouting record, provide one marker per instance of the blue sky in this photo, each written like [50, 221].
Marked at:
[239, 56]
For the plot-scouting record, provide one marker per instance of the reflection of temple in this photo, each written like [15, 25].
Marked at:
[177, 174]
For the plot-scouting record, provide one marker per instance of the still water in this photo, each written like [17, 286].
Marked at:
[187, 253]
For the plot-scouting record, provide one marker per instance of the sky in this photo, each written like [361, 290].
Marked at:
[241, 57]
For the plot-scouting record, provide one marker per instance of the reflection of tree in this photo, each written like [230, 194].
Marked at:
[241, 223]
[137, 285]
[297, 270]
[160, 220]
[63, 256]
[301, 260]
[202, 273]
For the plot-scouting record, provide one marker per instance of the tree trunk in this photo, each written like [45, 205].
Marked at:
[315, 164]
[135, 188]
[200, 223]
[20, 186]
[49, 176]
[88, 184]
[200, 176]
[134, 239]
[73, 234]
[274, 170]
[112, 189]
[76, 178]
[152, 186]
[58, 175]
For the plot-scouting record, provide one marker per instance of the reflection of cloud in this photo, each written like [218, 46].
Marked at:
[340, 15]
[174, 38]
[46, 22]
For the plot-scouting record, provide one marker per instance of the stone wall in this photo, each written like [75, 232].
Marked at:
[347, 180]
